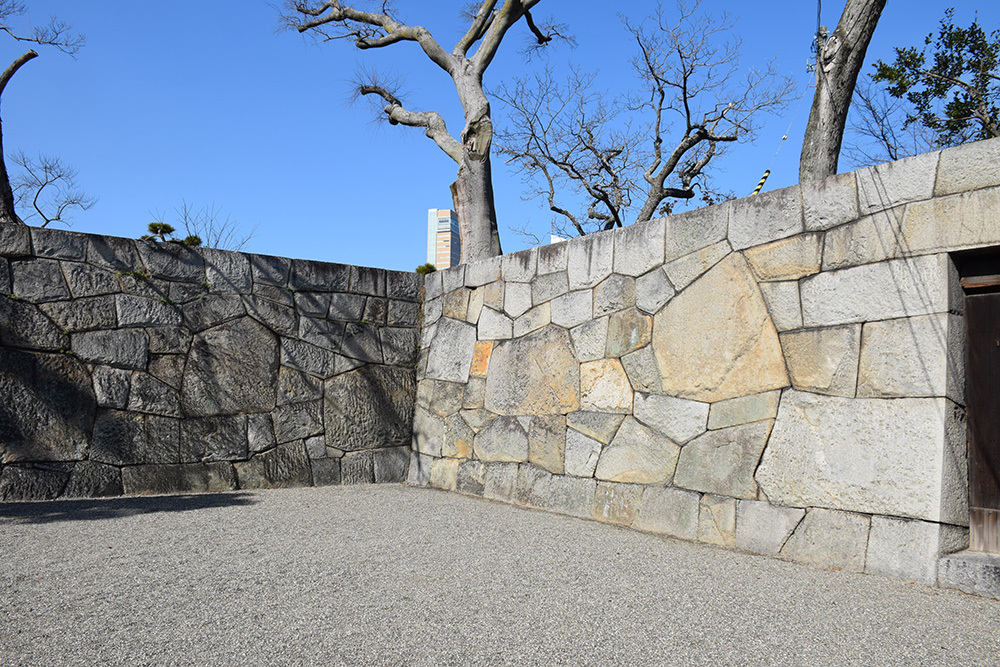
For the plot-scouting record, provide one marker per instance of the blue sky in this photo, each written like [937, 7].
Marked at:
[205, 101]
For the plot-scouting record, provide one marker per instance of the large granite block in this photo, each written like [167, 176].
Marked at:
[766, 217]
[639, 247]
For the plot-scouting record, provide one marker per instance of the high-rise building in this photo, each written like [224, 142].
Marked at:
[444, 243]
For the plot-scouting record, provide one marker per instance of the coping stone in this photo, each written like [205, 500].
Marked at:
[890, 184]
[830, 202]
[482, 272]
[688, 232]
[639, 247]
[590, 259]
[766, 217]
[972, 572]
[968, 167]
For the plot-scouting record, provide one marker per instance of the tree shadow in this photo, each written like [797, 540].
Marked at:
[96, 509]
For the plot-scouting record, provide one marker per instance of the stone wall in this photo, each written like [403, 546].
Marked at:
[142, 367]
[782, 374]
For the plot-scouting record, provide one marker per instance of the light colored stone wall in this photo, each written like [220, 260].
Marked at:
[134, 367]
[781, 374]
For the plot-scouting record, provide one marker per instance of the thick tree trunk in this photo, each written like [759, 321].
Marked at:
[472, 194]
[7, 213]
[838, 62]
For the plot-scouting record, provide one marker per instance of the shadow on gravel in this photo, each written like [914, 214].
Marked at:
[91, 509]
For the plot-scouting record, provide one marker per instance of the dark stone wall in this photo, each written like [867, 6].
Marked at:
[141, 367]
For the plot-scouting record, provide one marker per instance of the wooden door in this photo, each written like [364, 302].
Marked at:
[982, 399]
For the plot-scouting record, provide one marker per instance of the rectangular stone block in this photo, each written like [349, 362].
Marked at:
[519, 267]
[766, 217]
[178, 478]
[743, 410]
[763, 528]
[453, 278]
[830, 202]
[913, 356]
[483, 272]
[532, 486]
[617, 503]
[38, 280]
[590, 259]
[172, 261]
[391, 464]
[970, 167]
[972, 572]
[319, 276]
[268, 270]
[897, 288]
[433, 285]
[717, 520]
[471, 478]
[126, 348]
[639, 247]
[669, 511]
[403, 285]
[783, 304]
[908, 549]
[571, 495]
[552, 257]
[227, 272]
[501, 482]
[15, 241]
[692, 231]
[830, 539]
[113, 253]
[5, 285]
[367, 280]
[787, 259]
[58, 244]
[419, 472]
[893, 183]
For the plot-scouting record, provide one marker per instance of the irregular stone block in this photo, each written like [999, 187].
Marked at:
[111, 387]
[628, 330]
[319, 276]
[227, 272]
[503, 440]
[322, 333]
[403, 285]
[82, 314]
[211, 311]
[38, 280]
[597, 425]
[572, 496]
[172, 261]
[475, 394]
[533, 320]
[308, 358]
[916, 356]
[951, 223]
[741, 357]
[910, 549]
[446, 397]
[169, 340]
[47, 407]
[401, 313]
[893, 183]
[639, 247]
[399, 346]
[120, 439]
[482, 272]
[653, 290]
[616, 292]
[296, 421]
[153, 396]
[390, 464]
[183, 478]
[501, 482]
[367, 280]
[691, 231]
[139, 311]
[285, 466]
[916, 286]
[604, 387]
[969, 167]
[94, 480]
[59, 244]
[831, 539]
[763, 528]
[547, 442]
[677, 418]
[433, 285]
[552, 257]
[370, 407]
[582, 454]
[617, 503]
[481, 358]
[823, 361]
[428, 433]
[575, 308]
[456, 304]
[743, 410]
[519, 267]
[24, 325]
[766, 217]
[376, 311]
[268, 270]
[536, 374]
[723, 462]
[23, 484]
[873, 238]
[787, 259]
[419, 472]
[783, 304]
[669, 512]
[642, 371]
[590, 339]
[639, 455]
[902, 457]
[685, 270]
[295, 387]
[476, 300]
[260, 433]
[85, 280]
[717, 520]
[590, 259]
[454, 278]
[231, 368]
[444, 474]
[5, 284]
[182, 292]
[471, 478]
[548, 287]
[214, 439]
[15, 240]
[325, 472]
[532, 486]
[452, 350]
[830, 202]
[494, 325]
[971, 572]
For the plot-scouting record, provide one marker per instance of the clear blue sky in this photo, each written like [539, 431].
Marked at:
[205, 101]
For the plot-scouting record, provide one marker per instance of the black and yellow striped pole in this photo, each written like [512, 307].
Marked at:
[763, 179]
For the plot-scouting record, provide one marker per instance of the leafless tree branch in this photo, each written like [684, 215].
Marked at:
[45, 190]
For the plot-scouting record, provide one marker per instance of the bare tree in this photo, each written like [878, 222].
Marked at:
[45, 190]
[207, 225]
[879, 131]
[55, 34]
[611, 152]
[466, 63]
[839, 58]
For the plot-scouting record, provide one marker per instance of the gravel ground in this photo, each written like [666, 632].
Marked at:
[393, 575]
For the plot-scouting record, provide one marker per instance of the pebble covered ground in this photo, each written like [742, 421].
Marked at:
[395, 575]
